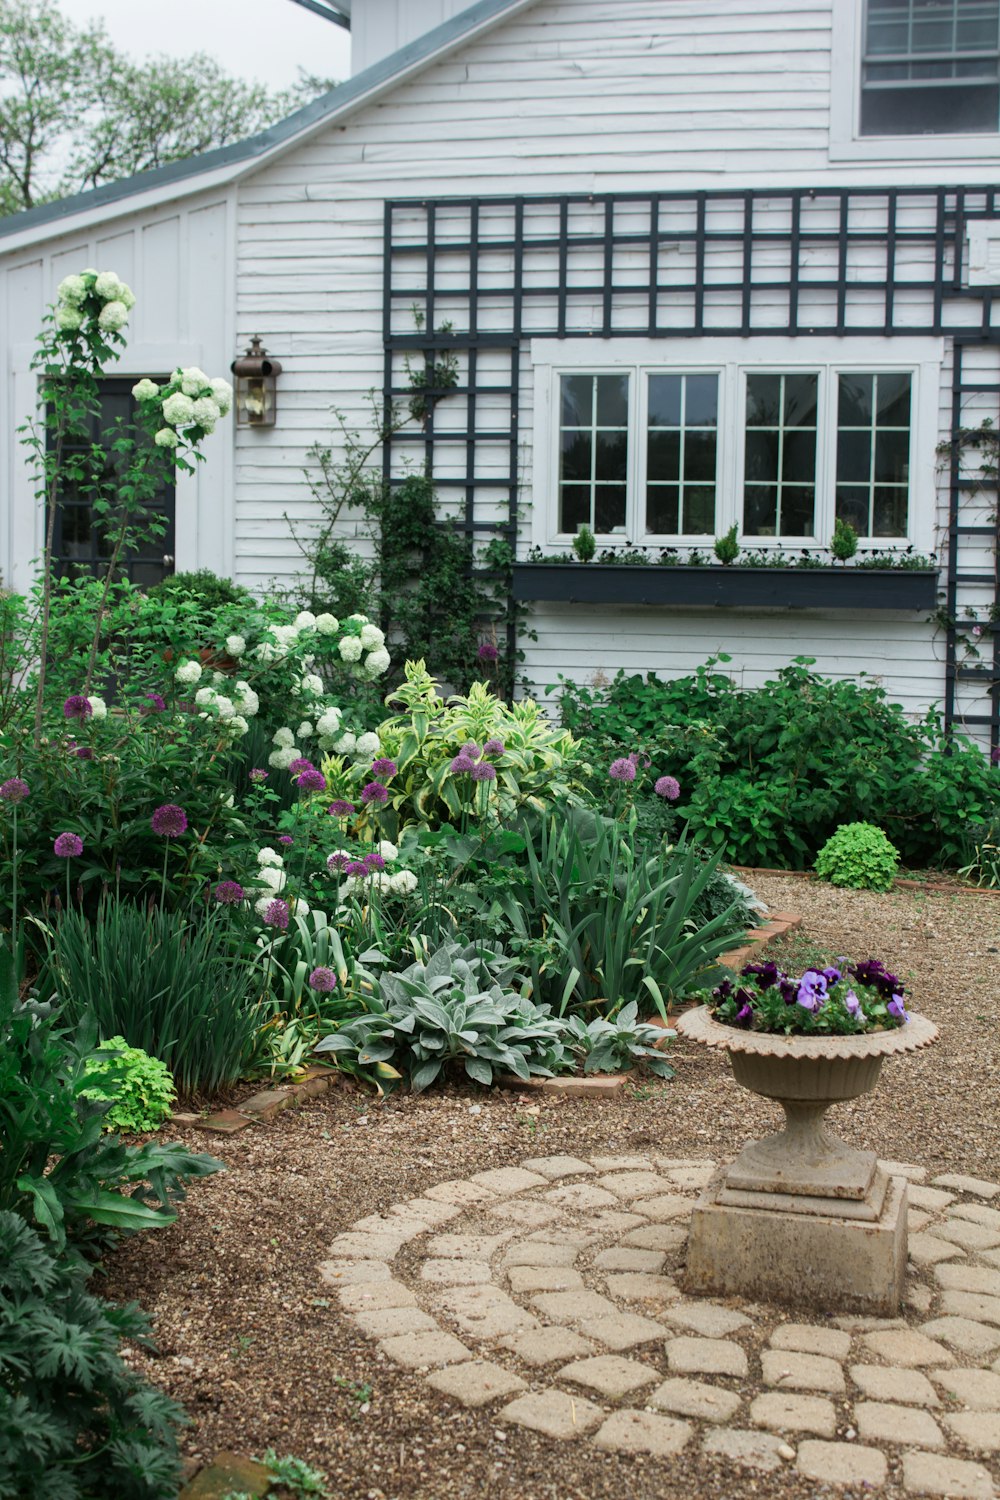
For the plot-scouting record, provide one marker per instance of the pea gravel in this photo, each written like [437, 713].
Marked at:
[259, 1357]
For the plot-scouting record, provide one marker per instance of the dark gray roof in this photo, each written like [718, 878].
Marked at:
[329, 104]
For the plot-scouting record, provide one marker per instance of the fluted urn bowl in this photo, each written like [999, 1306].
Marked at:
[805, 1075]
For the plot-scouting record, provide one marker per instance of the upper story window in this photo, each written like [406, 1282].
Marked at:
[931, 67]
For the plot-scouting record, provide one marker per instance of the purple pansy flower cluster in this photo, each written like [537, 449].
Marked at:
[843, 998]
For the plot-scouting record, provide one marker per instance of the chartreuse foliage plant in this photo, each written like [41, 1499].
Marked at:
[860, 856]
[75, 1422]
[139, 1087]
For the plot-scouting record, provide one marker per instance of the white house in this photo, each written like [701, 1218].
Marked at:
[704, 263]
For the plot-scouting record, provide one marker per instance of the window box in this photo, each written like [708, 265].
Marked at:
[683, 586]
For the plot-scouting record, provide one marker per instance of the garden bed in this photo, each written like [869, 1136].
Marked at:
[254, 1346]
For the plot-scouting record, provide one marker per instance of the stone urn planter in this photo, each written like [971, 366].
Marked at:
[802, 1216]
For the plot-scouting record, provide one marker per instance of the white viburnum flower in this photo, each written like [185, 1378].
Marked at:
[269, 856]
[224, 707]
[178, 410]
[388, 850]
[312, 684]
[126, 295]
[283, 738]
[272, 877]
[299, 908]
[327, 624]
[222, 394]
[266, 652]
[98, 708]
[329, 721]
[357, 619]
[262, 905]
[236, 727]
[206, 412]
[108, 286]
[68, 318]
[377, 663]
[247, 700]
[350, 648]
[368, 744]
[371, 637]
[347, 744]
[166, 438]
[204, 696]
[188, 671]
[235, 646]
[403, 884]
[305, 620]
[72, 289]
[145, 390]
[113, 315]
[193, 381]
[285, 637]
[305, 730]
[282, 759]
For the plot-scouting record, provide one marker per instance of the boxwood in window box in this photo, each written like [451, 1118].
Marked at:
[682, 586]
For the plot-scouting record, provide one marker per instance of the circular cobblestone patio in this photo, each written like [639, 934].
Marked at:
[546, 1295]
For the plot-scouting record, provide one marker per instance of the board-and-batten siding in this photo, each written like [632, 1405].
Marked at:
[180, 263]
[569, 96]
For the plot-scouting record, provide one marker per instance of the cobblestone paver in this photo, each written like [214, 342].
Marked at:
[550, 1296]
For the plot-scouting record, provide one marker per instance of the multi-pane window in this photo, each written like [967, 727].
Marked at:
[931, 67]
[593, 452]
[779, 478]
[873, 453]
[681, 452]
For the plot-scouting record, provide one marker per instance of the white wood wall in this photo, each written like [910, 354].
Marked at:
[379, 27]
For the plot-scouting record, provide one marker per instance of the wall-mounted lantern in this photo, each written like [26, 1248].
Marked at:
[256, 386]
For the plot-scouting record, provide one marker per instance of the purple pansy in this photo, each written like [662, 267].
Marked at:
[812, 990]
[897, 1009]
[852, 1004]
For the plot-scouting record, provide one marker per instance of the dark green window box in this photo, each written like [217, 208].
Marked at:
[735, 587]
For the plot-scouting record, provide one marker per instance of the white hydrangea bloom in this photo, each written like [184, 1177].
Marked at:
[269, 856]
[72, 289]
[98, 708]
[357, 619]
[113, 315]
[346, 744]
[283, 738]
[206, 412]
[327, 624]
[388, 850]
[108, 286]
[224, 707]
[298, 907]
[273, 878]
[68, 318]
[237, 726]
[178, 410]
[262, 905]
[329, 721]
[204, 696]
[350, 648]
[266, 652]
[282, 759]
[166, 438]
[126, 295]
[235, 645]
[145, 390]
[371, 637]
[305, 620]
[188, 671]
[222, 394]
[247, 700]
[305, 730]
[193, 381]
[311, 683]
[285, 637]
[377, 663]
[403, 884]
[368, 744]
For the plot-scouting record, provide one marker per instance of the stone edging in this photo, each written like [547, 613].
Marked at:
[265, 1105]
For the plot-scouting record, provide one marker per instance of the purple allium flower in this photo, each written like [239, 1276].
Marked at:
[170, 821]
[461, 766]
[493, 747]
[338, 861]
[68, 845]
[383, 768]
[276, 914]
[258, 775]
[83, 752]
[15, 790]
[852, 1004]
[77, 707]
[311, 781]
[374, 861]
[323, 979]
[157, 703]
[897, 1009]
[300, 764]
[357, 868]
[667, 786]
[488, 652]
[340, 809]
[285, 838]
[483, 771]
[229, 893]
[374, 792]
[622, 769]
[470, 748]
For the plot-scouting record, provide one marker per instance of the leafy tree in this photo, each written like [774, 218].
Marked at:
[75, 112]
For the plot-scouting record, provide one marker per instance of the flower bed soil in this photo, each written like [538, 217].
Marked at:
[259, 1354]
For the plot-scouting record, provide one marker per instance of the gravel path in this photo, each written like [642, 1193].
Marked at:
[260, 1354]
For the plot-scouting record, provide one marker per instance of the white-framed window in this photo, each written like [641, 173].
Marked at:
[915, 80]
[669, 445]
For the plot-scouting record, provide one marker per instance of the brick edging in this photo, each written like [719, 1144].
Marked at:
[900, 882]
[265, 1105]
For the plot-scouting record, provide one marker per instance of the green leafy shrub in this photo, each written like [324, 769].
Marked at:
[207, 589]
[56, 1163]
[860, 856]
[142, 1090]
[176, 985]
[75, 1422]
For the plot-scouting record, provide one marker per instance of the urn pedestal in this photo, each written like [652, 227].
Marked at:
[802, 1217]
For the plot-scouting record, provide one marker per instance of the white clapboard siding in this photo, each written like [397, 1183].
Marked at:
[180, 262]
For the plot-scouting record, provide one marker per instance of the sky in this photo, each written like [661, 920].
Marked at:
[264, 40]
